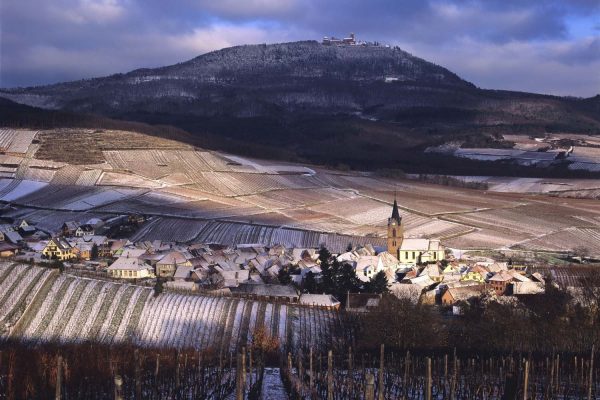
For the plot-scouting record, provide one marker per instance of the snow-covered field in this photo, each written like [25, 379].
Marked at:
[45, 306]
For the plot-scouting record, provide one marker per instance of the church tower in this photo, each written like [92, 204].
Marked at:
[395, 232]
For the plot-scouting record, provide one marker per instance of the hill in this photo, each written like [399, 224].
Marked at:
[364, 106]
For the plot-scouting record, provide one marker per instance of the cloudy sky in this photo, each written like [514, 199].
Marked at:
[545, 46]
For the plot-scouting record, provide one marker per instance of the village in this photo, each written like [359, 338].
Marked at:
[419, 270]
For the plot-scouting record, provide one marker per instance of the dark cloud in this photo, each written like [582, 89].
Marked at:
[494, 43]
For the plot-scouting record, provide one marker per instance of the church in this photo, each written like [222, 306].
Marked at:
[410, 251]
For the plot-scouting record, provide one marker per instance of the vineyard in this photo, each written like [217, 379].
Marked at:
[126, 372]
[40, 306]
[231, 199]
[440, 376]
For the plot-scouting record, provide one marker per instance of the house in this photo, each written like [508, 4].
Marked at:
[84, 230]
[22, 224]
[8, 249]
[457, 294]
[59, 249]
[362, 302]
[527, 288]
[69, 228]
[432, 271]
[130, 268]
[266, 292]
[83, 246]
[27, 230]
[501, 281]
[320, 300]
[233, 278]
[183, 273]
[13, 237]
[95, 222]
[167, 265]
[476, 273]
[403, 291]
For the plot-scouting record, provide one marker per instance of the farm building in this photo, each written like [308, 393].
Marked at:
[130, 268]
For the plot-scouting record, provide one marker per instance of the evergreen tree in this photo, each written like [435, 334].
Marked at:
[378, 284]
[310, 284]
[94, 252]
[346, 281]
[158, 287]
[284, 277]
[327, 271]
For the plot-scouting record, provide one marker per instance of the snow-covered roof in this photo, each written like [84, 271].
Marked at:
[418, 244]
[129, 264]
[182, 272]
[173, 258]
[325, 300]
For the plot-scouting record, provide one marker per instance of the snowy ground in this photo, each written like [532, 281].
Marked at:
[272, 388]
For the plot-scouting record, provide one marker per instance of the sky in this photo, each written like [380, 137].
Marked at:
[542, 46]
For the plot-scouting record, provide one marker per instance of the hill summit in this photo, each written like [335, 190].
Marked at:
[370, 103]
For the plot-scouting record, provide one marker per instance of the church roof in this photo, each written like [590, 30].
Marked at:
[395, 212]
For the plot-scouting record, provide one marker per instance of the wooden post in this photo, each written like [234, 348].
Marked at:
[310, 366]
[526, 381]
[446, 367]
[591, 377]
[156, 370]
[243, 377]
[177, 372]
[350, 383]
[428, 378]
[556, 380]
[250, 365]
[330, 375]
[380, 386]
[370, 387]
[239, 394]
[454, 376]
[138, 374]
[300, 374]
[118, 387]
[58, 391]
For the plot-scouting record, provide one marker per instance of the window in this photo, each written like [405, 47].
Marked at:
[394, 232]
[413, 255]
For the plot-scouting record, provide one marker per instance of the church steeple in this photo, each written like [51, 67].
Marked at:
[395, 231]
[395, 212]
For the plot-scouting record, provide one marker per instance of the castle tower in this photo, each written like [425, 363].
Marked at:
[395, 232]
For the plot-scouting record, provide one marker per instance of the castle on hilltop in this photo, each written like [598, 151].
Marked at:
[351, 40]
[410, 251]
[347, 41]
